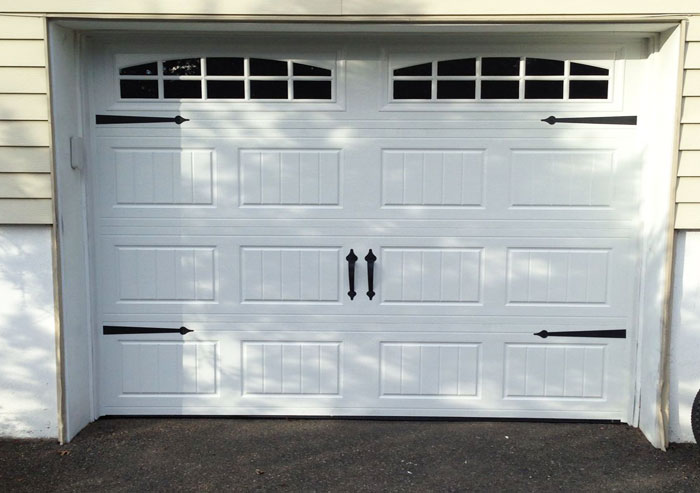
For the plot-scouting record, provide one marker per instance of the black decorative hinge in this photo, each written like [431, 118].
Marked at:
[607, 334]
[604, 120]
[111, 330]
[119, 119]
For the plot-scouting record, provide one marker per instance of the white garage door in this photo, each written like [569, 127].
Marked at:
[427, 154]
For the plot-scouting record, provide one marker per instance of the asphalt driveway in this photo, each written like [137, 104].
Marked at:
[155, 454]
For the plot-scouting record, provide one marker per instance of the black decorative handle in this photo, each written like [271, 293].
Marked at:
[118, 329]
[607, 334]
[599, 120]
[370, 258]
[351, 258]
[120, 119]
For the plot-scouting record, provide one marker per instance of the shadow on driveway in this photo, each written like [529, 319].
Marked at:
[157, 454]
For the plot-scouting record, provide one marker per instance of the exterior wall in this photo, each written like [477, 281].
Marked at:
[25, 152]
[28, 405]
[685, 336]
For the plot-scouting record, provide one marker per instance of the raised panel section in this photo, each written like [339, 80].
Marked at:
[555, 371]
[290, 275]
[427, 178]
[561, 178]
[164, 177]
[557, 276]
[290, 177]
[169, 367]
[291, 368]
[431, 275]
[430, 370]
[158, 274]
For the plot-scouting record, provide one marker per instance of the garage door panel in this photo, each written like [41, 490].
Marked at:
[432, 275]
[416, 178]
[296, 373]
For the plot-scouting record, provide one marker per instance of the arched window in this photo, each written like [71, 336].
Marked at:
[226, 78]
[500, 78]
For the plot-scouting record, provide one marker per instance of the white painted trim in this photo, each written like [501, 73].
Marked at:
[659, 125]
[71, 236]
[408, 25]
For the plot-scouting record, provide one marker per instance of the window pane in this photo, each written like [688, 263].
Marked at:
[456, 89]
[543, 66]
[268, 89]
[583, 69]
[500, 66]
[312, 89]
[185, 66]
[263, 66]
[301, 69]
[544, 89]
[145, 69]
[182, 89]
[499, 89]
[588, 89]
[464, 66]
[422, 69]
[412, 89]
[224, 66]
[225, 89]
[142, 89]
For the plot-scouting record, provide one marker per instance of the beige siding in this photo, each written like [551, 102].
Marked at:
[688, 189]
[691, 110]
[691, 83]
[26, 211]
[689, 163]
[24, 107]
[17, 27]
[22, 53]
[354, 7]
[23, 80]
[692, 55]
[25, 160]
[25, 185]
[688, 186]
[237, 7]
[515, 7]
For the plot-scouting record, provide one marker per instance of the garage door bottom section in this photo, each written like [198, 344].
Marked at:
[346, 373]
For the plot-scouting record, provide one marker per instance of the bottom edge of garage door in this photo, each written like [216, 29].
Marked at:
[358, 413]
